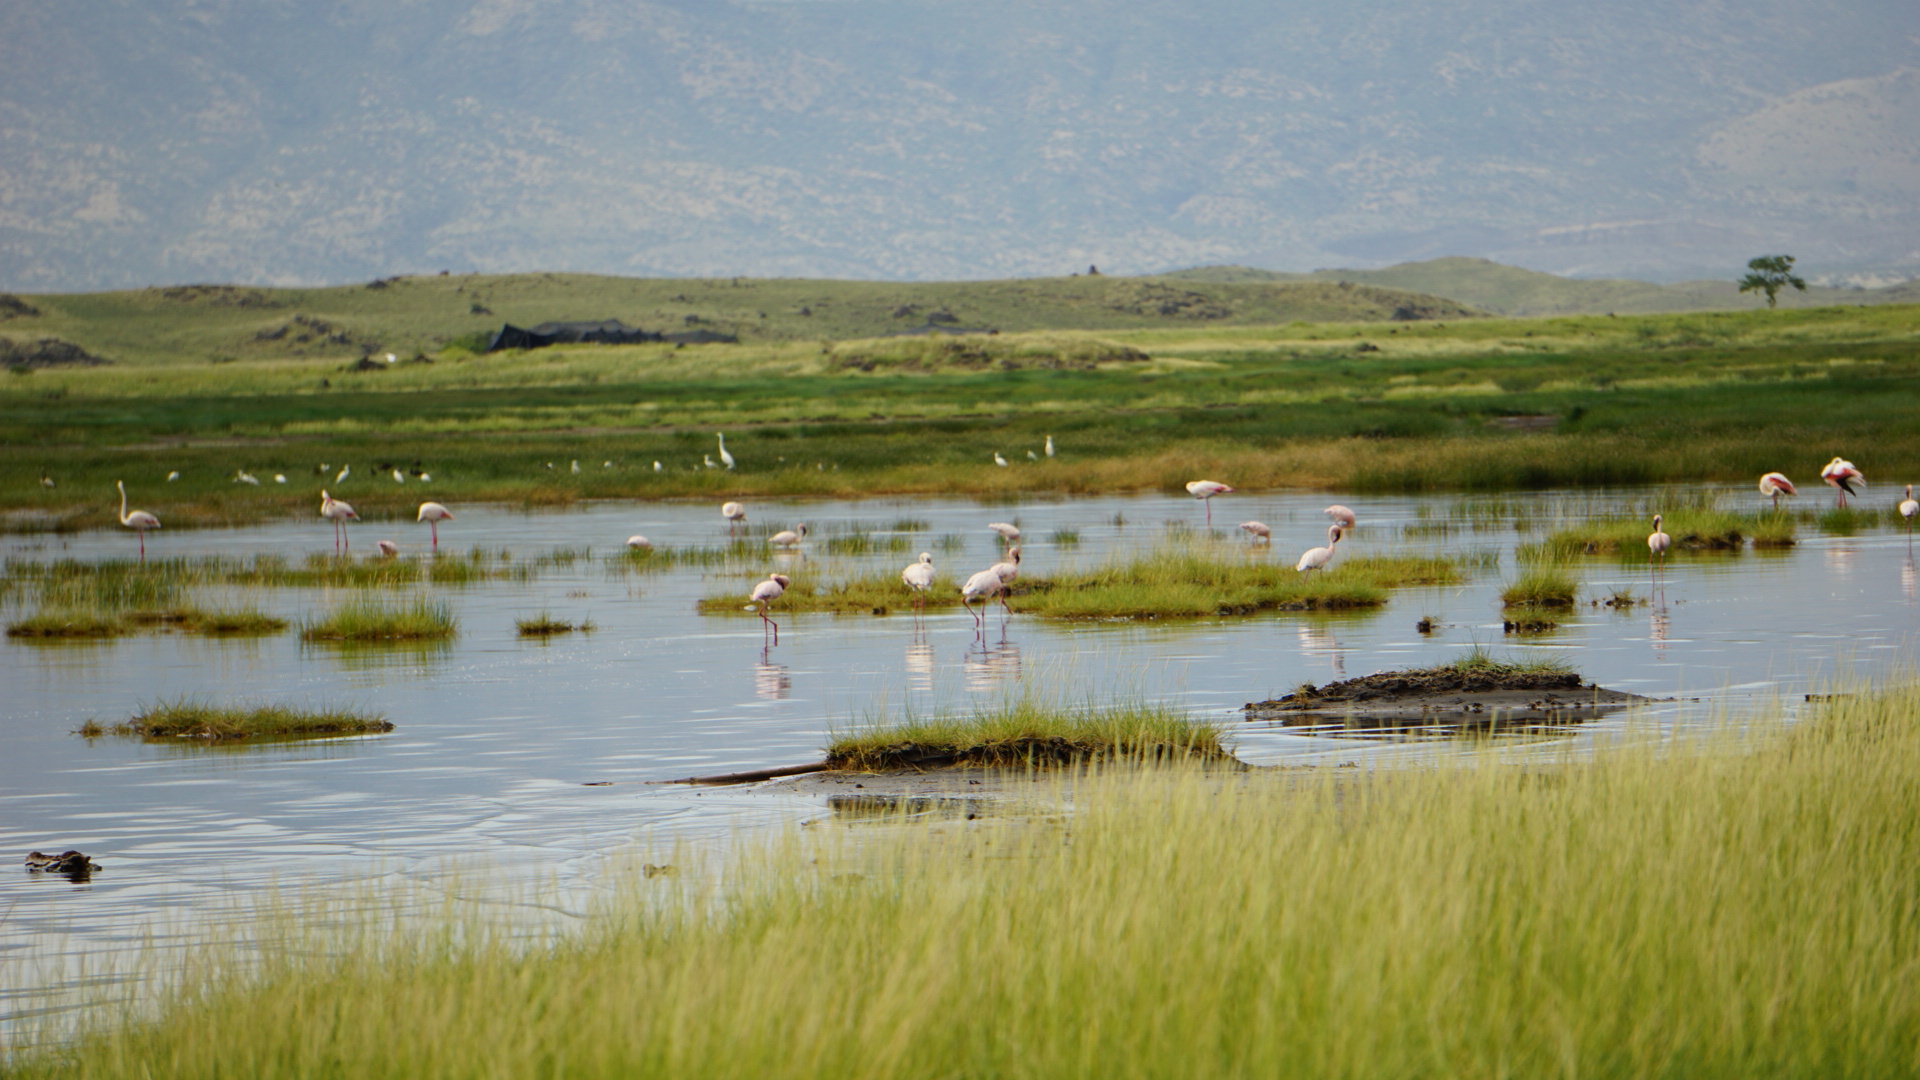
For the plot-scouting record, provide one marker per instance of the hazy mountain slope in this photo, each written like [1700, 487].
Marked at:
[275, 141]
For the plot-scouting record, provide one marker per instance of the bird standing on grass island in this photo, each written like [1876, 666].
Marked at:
[1049, 446]
[433, 514]
[1318, 558]
[639, 543]
[1773, 485]
[387, 548]
[137, 520]
[1205, 490]
[339, 513]
[1841, 474]
[766, 593]
[1341, 516]
[919, 578]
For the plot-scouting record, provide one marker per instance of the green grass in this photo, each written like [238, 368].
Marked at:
[161, 583]
[1541, 585]
[545, 625]
[1691, 529]
[1658, 911]
[1026, 733]
[197, 718]
[374, 619]
[1481, 664]
[98, 621]
[72, 623]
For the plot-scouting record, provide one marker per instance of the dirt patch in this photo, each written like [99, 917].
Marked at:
[1449, 695]
[46, 352]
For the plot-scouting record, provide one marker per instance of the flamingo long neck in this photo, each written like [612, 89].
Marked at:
[123, 501]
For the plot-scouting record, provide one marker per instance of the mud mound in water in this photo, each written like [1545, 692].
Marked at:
[1006, 753]
[1475, 691]
[1428, 682]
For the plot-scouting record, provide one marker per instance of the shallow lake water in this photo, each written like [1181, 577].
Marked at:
[498, 737]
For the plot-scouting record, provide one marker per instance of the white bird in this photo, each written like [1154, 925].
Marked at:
[788, 537]
[1031, 456]
[606, 464]
[1773, 485]
[387, 548]
[391, 358]
[725, 458]
[766, 593]
[46, 481]
[1049, 446]
[984, 585]
[1908, 508]
[342, 474]
[1258, 530]
[1009, 569]
[734, 513]
[1341, 516]
[339, 513]
[426, 478]
[172, 476]
[575, 467]
[998, 460]
[1205, 490]
[1658, 542]
[919, 578]
[279, 478]
[1841, 474]
[137, 520]
[639, 543]
[1318, 558]
[657, 467]
[399, 477]
[433, 514]
[549, 466]
[707, 460]
[245, 477]
[1009, 533]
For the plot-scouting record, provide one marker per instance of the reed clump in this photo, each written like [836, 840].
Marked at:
[1030, 733]
[373, 619]
[1541, 585]
[1691, 529]
[107, 622]
[198, 718]
[545, 625]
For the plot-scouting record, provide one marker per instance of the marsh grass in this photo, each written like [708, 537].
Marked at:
[1691, 529]
[370, 618]
[74, 623]
[545, 625]
[874, 594]
[98, 621]
[1541, 585]
[1064, 538]
[1029, 732]
[199, 718]
[1714, 911]
[160, 583]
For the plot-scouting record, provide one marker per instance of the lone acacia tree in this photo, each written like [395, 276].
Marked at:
[1769, 274]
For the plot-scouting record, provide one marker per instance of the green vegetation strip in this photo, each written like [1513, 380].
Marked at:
[545, 625]
[192, 718]
[1541, 585]
[372, 619]
[105, 622]
[1691, 529]
[1166, 583]
[1601, 917]
[1030, 734]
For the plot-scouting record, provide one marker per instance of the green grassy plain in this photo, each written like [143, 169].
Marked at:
[1449, 404]
[1659, 910]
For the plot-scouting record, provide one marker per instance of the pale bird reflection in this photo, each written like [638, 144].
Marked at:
[1319, 641]
[771, 680]
[1659, 628]
[920, 663]
[1841, 556]
[1909, 581]
[990, 666]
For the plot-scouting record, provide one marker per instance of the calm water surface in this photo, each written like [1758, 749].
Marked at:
[498, 737]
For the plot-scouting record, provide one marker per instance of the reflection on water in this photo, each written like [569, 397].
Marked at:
[920, 663]
[1841, 554]
[988, 667]
[406, 657]
[1659, 626]
[1318, 640]
[1908, 578]
[771, 680]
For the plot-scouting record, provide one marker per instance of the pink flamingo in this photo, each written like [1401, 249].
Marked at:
[787, 538]
[734, 513]
[1008, 533]
[339, 513]
[1341, 516]
[1008, 571]
[137, 520]
[1318, 558]
[986, 584]
[1258, 531]
[1658, 542]
[919, 578]
[433, 514]
[387, 548]
[639, 543]
[1841, 474]
[1773, 485]
[1908, 508]
[1205, 490]
[766, 593]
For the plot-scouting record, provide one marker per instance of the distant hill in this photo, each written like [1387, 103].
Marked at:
[1510, 290]
[197, 323]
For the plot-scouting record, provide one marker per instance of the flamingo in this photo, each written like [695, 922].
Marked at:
[639, 543]
[339, 513]
[1775, 485]
[725, 458]
[1658, 542]
[1341, 516]
[1318, 558]
[787, 538]
[919, 578]
[984, 585]
[1908, 508]
[734, 513]
[433, 514]
[1049, 446]
[1006, 572]
[1008, 533]
[137, 520]
[1258, 531]
[1205, 490]
[998, 460]
[1841, 474]
[766, 593]
[387, 548]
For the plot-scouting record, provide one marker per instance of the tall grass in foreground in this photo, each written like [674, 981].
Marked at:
[1687, 912]
[369, 618]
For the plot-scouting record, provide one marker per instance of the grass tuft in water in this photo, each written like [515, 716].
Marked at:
[1027, 733]
[545, 625]
[197, 718]
[1691, 529]
[373, 619]
[1541, 585]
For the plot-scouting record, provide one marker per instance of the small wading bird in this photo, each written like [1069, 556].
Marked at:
[657, 467]
[1318, 558]
[279, 478]
[1658, 542]
[399, 477]
[387, 548]
[919, 578]
[341, 476]
[1008, 533]
[1341, 516]
[433, 514]
[787, 538]
[245, 477]
[1773, 485]
[725, 458]
[998, 460]
[47, 481]
[172, 476]
[137, 520]
[575, 467]
[1049, 446]
[1841, 474]
[1205, 490]
[639, 543]
[1258, 531]
[734, 513]
[339, 513]
[766, 593]
[1908, 508]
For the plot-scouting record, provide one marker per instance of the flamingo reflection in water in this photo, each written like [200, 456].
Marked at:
[988, 667]
[1659, 630]
[770, 680]
[1320, 641]
[920, 663]
[1909, 580]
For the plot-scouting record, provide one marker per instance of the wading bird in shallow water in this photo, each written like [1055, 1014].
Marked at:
[1009, 569]
[339, 513]
[766, 593]
[1258, 531]
[1773, 485]
[734, 513]
[387, 548]
[725, 458]
[1341, 516]
[1008, 533]
[787, 538]
[1205, 490]
[1841, 474]
[1318, 558]
[1908, 508]
[1658, 542]
[984, 585]
[433, 514]
[919, 578]
[639, 543]
[137, 520]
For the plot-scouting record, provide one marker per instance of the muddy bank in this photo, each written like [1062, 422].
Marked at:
[1463, 695]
